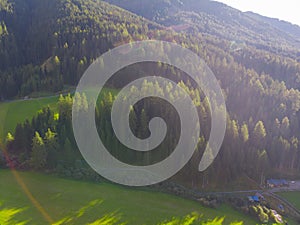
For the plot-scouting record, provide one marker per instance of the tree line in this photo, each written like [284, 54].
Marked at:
[249, 148]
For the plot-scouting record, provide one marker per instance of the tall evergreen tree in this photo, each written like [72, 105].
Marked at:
[39, 154]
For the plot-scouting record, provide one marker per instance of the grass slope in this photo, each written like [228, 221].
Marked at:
[292, 197]
[12, 113]
[77, 202]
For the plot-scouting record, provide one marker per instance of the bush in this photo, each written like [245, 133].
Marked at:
[273, 218]
[262, 213]
[209, 202]
[253, 210]
[260, 209]
[266, 210]
[263, 217]
[67, 173]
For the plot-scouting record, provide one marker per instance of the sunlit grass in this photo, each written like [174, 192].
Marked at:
[107, 220]
[7, 216]
[12, 113]
[75, 202]
[187, 220]
[196, 219]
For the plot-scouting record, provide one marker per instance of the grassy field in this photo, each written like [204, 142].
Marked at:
[76, 202]
[12, 113]
[292, 197]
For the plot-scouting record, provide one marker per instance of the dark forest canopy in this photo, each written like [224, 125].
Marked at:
[46, 44]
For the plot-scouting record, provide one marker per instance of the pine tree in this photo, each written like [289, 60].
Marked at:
[285, 127]
[259, 133]
[39, 154]
[51, 146]
[244, 133]
[234, 129]
[19, 141]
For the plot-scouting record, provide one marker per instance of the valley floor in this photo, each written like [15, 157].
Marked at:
[32, 198]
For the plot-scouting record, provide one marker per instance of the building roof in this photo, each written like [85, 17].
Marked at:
[277, 181]
[253, 198]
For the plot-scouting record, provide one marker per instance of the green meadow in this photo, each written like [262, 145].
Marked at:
[292, 197]
[76, 202]
[12, 113]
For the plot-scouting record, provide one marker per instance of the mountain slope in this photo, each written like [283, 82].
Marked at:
[254, 41]
[220, 20]
[48, 43]
[284, 26]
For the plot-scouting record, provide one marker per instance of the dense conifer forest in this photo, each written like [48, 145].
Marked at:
[47, 44]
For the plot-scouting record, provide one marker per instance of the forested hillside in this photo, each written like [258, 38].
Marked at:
[48, 43]
[218, 19]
